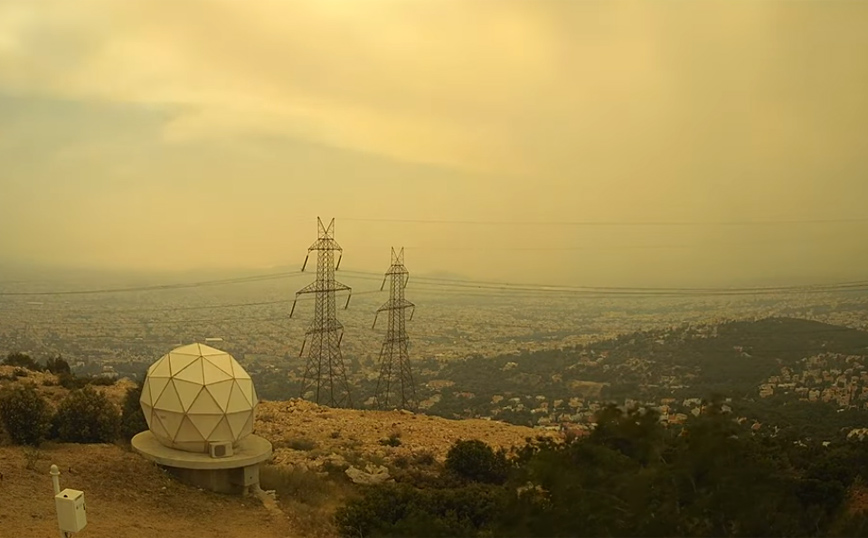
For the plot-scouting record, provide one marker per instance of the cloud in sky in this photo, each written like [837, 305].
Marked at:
[134, 132]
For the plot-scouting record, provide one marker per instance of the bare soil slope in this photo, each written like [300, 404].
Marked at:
[126, 497]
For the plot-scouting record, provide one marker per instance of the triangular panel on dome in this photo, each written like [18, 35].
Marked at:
[246, 386]
[160, 368]
[205, 423]
[169, 401]
[157, 427]
[207, 351]
[204, 404]
[220, 391]
[145, 396]
[237, 422]
[147, 410]
[222, 432]
[187, 392]
[248, 426]
[237, 401]
[222, 361]
[171, 421]
[156, 386]
[189, 349]
[213, 374]
[188, 433]
[193, 373]
[238, 370]
[179, 361]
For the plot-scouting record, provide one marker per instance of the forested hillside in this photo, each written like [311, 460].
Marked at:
[732, 359]
[630, 477]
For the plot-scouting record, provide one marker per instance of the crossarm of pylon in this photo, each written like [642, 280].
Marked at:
[324, 244]
[395, 304]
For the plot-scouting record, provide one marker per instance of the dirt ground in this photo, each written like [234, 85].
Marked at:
[126, 497]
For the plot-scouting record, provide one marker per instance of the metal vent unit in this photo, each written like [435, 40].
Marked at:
[220, 450]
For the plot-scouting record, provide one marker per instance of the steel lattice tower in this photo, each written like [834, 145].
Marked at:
[394, 355]
[324, 370]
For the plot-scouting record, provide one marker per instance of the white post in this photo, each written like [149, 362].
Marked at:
[55, 480]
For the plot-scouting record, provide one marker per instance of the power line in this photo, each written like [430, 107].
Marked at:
[167, 310]
[472, 288]
[241, 280]
[786, 222]
[507, 286]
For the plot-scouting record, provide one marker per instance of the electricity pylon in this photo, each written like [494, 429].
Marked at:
[324, 369]
[394, 355]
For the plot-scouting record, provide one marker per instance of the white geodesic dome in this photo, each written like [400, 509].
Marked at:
[196, 395]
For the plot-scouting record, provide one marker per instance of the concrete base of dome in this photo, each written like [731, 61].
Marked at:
[236, 474]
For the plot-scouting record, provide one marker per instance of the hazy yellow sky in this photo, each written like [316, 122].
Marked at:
[181, 133]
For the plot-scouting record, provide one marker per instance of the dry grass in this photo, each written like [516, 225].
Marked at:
[126, 497]
[294, 483]
[308, 498]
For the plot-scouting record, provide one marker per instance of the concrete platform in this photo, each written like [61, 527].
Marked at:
[235, 474]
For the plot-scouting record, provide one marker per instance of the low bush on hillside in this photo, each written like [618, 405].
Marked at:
[294, 483]
[424, 458]
[32, 455]
[70, 381]
[25, 415]
[86, 416]
[476, 461]
[393, 440]
[301, 443]
[57, 366]
[22, 360]
[102, 381]
[132, 419]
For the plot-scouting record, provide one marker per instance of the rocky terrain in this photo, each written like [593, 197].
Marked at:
[308, 435]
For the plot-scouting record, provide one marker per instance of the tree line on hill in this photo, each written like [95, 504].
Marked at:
[53, 365]
[629, 477]
[83, 416]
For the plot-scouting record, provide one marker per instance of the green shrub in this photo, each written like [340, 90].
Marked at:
[58, 366]
[31, 458]
[424, 458]
[302, 444]
[25, 415]
[392, 440]
[101, 381]
[86, 416]
[403, 510]
[295, 483]
[476, 461]
[71, 381]
[22, 360]
[132, 419]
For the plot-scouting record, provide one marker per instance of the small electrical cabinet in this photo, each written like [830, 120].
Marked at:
[71, 510]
